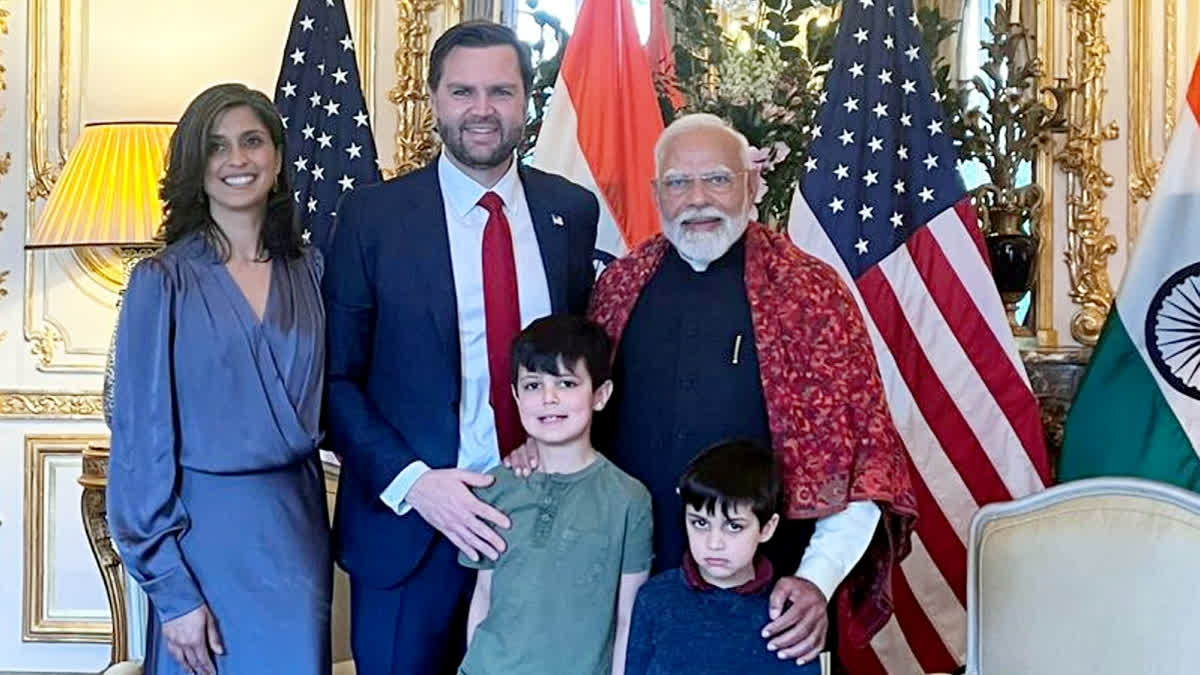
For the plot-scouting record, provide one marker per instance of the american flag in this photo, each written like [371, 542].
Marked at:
[882, 202]
[330, 149]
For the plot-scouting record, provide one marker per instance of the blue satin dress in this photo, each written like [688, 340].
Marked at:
[216, 493]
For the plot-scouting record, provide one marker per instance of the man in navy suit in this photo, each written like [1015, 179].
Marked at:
[430, 277]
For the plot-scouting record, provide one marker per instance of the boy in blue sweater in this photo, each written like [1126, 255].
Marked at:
[698, 619]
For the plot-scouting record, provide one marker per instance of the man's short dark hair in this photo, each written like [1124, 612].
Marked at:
[478, 33]
[733, 473]
[561, 341]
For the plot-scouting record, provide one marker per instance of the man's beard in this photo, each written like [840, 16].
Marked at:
[480, 158]
[702, 247]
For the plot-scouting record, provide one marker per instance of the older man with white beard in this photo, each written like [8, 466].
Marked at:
[724, 330]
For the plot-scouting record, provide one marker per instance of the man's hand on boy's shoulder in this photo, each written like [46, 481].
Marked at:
[799, 620]
[443, 497]
[524, 459]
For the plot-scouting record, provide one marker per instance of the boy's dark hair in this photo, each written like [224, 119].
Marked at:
[479, 33]
[561, 340]
[732, 473]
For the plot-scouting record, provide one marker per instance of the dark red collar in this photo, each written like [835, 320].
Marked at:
[762, 576]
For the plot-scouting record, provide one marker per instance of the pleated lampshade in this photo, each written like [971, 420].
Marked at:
[107, 194]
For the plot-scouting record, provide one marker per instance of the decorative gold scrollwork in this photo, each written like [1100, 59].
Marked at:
[44, 344]
[50, 405]
[415, 143]
[1089, 244]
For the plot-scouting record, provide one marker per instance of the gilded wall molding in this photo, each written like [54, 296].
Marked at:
[1089, 244]
[1144, 162]
[44, 344]
[3, 31]
[1171, 79]
[23, 404]
[41, 170]
[1047, 334]
[3, 294]
[6, 157]
[38, 621]
[415, 141]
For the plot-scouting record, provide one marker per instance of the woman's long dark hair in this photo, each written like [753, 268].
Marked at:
[185, 204]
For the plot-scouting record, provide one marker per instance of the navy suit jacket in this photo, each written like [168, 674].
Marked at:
[393, 376]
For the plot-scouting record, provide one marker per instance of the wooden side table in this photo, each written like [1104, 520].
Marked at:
[95, 525]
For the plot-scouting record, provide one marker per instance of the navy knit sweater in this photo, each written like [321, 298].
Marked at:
[680, 631]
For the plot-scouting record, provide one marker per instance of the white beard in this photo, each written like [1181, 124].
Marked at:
[698, 248]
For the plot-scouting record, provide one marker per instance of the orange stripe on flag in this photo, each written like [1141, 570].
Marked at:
[658, 51]
[1193, 95]
[608, 78]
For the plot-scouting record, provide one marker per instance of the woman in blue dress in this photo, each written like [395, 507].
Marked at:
[216, 496]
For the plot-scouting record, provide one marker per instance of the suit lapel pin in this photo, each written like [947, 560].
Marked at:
[556, 219]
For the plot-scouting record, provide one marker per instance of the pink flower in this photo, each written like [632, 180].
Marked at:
[763, 160]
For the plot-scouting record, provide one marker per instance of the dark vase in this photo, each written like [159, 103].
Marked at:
[1014, 261]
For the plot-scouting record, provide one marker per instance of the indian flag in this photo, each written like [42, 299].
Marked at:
[1137, 412]
[602, 123]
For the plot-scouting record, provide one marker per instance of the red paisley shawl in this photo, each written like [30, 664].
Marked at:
[830, 426]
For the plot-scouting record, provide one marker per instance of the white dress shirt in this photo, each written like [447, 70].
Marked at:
[837, 544]
[478, 449]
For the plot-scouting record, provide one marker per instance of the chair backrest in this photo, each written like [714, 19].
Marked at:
[1092, 577]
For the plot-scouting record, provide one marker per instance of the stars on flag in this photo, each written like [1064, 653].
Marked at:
[329, 150]
[879, 90]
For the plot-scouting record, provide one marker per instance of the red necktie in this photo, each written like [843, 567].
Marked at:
[502, 312]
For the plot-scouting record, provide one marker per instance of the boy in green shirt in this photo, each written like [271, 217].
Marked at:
[559, 600]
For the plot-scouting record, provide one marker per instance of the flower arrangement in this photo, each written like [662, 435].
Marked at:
[753, 74]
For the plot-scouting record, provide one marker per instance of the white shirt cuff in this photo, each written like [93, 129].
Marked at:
[397, 491]
[838, 543]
